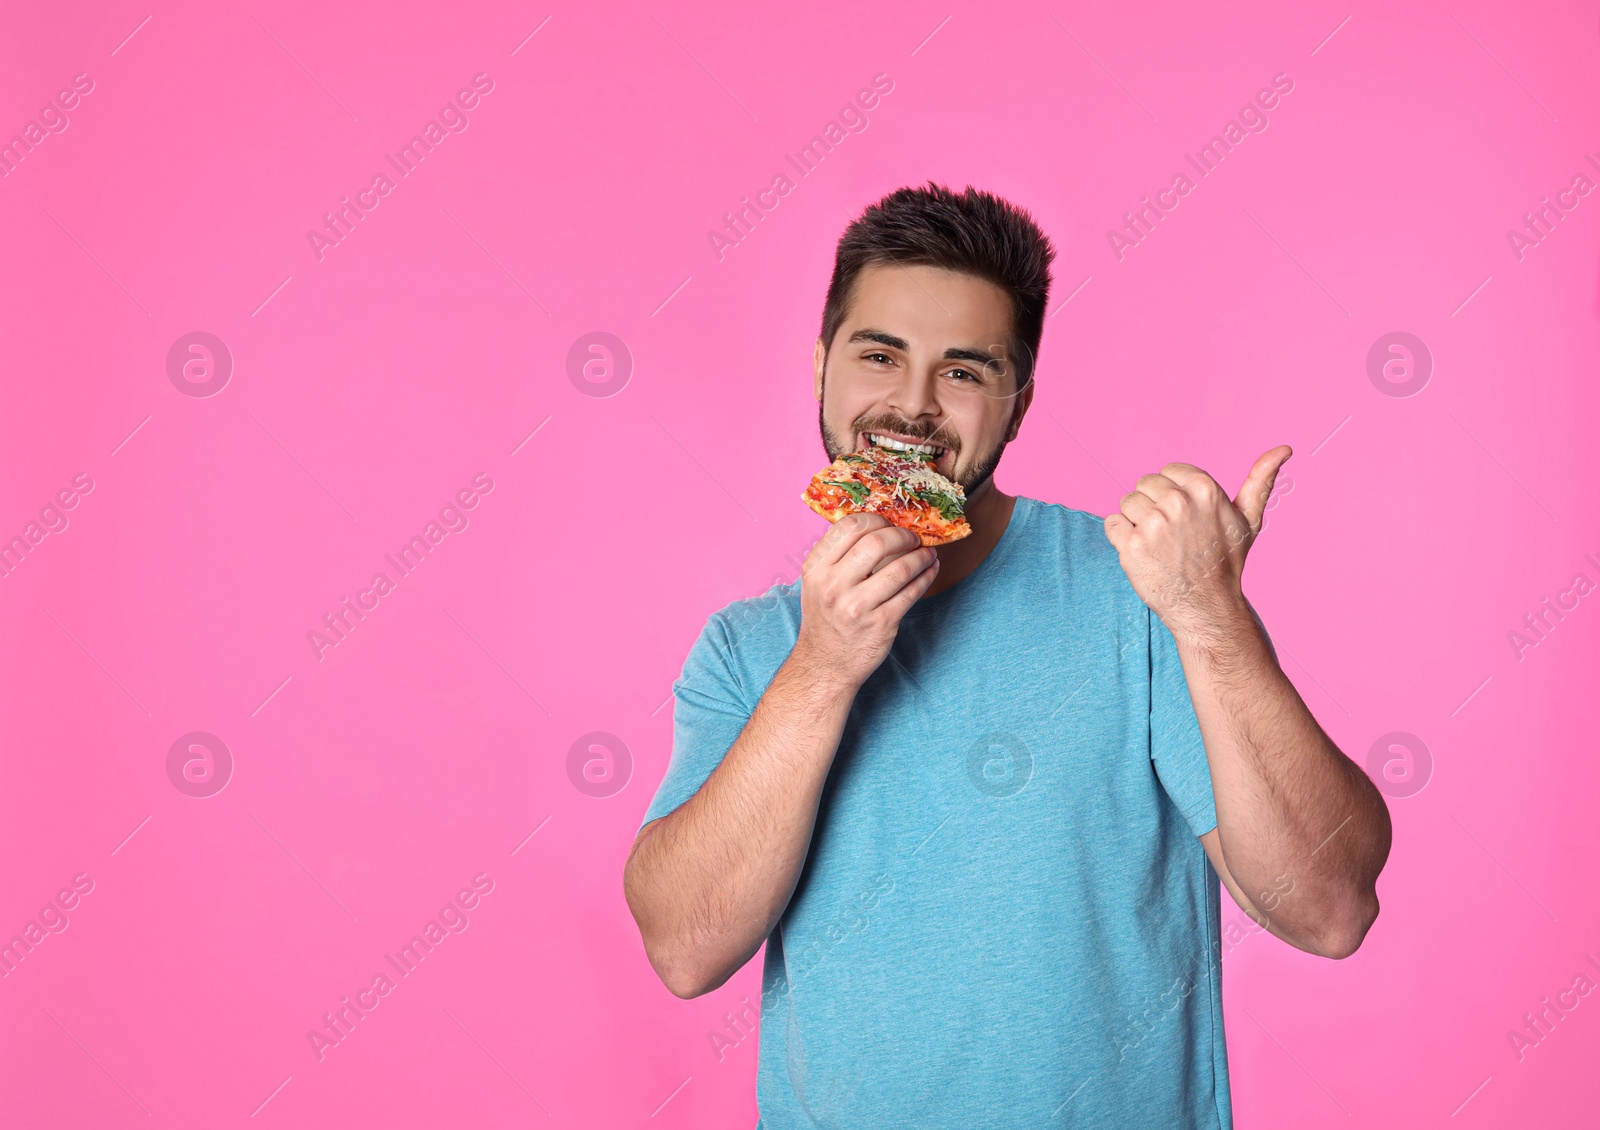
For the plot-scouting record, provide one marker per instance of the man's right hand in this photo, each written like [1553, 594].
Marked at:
[856, 584]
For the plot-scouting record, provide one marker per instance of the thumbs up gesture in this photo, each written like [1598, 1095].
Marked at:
[1182, 542]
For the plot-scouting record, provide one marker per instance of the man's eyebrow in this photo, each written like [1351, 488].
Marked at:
[977, 357]
[881, 337]
[954, 353]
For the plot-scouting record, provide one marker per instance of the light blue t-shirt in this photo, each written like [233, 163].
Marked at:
[1006, 919]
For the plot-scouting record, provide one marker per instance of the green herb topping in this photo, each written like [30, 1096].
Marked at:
[857, 491]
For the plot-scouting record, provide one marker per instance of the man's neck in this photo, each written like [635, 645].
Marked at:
[988, 513]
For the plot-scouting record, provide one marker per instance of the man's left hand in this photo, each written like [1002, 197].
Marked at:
[1182, 542]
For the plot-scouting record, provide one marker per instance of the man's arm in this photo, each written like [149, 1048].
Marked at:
[1301, 832]
[708, 882]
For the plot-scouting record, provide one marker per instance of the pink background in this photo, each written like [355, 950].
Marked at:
[371, 385]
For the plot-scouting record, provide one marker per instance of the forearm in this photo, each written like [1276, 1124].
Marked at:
[708, 882]
[1303, 830]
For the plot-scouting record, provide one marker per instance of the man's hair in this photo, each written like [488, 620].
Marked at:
[973, 232]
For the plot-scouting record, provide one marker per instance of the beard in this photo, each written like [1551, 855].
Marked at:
[972, 480]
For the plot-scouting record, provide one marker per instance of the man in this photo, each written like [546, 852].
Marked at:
[976, 800]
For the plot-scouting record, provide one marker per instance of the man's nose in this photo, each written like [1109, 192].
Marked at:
[914, 396]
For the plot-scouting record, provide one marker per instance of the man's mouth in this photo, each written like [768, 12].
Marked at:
[894, 443]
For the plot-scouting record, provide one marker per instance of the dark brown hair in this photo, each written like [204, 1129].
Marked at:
[976, 233]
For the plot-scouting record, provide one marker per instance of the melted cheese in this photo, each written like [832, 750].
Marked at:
[914, 473]
[924, 477]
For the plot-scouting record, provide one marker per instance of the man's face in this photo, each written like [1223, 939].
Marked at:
[923, 356]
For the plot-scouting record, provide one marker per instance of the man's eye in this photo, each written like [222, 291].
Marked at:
[876, 356]
[963, 373]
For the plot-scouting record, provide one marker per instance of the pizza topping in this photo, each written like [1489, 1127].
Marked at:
[917, 471]
[904, 486]
[926, 478]
[949, 509]
[857, 491]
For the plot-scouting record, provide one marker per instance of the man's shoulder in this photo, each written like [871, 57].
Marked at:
[1069, 558]
[1077, 533]
[745, 642]
[773, 613]
[1063, 515]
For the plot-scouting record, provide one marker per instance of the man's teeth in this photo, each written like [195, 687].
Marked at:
[896, 445]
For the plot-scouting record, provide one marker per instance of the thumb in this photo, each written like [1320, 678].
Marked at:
[1257, 488]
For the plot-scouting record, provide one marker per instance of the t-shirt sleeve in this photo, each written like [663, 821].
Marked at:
[1175, 743]
[708, 714]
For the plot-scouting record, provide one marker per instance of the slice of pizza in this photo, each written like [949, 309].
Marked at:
[903, 486]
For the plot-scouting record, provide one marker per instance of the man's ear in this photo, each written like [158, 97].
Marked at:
[819, 358]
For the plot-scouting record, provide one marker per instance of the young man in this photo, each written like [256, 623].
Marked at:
[976, 800]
